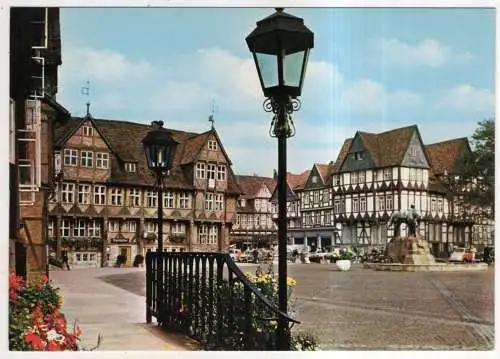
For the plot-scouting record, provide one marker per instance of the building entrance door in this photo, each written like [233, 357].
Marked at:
[127, 252]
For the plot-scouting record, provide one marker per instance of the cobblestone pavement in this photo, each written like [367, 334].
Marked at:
[364, 309]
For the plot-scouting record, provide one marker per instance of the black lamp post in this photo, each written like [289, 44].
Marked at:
[280, 45]
[160, 149]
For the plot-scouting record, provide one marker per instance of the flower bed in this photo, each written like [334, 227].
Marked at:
[35, 320]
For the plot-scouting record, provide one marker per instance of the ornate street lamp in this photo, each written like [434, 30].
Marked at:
[159, 147]
[280, 46]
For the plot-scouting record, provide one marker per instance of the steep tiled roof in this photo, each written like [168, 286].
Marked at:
[445, 155]
[125, 141]
[343, 152]
[388, 148]
[297, 181]
[323, 170]
[250, 185]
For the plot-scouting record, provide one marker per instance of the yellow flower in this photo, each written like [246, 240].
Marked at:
[273, 323]
[291, 282]
[61, 301]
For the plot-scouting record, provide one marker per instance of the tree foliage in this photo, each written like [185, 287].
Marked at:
[478, 167]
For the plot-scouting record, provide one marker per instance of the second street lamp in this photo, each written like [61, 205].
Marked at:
[280, 46]
[159, 147]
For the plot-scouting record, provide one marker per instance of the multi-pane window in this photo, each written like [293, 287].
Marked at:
[221, 173]
[209, 201]
[168, 199]
[102, 160]
[326, 197]
[381, 203]
[389, 202]
[116, 197]
[84, 194]
[151, 226]
[413, 174]
[86, 158]
[134, 197]
[67, 193]
[113, 225]
[361, 177]
[354, 177]
[420, 174]
[79, 228]
[200, 170]
[100, 195]
[355, 204]
[362, 204]
[212, 234]
[238, 219]
[183, 200]
[219, 202]
[151, 198]
[130, 167]
[326, 218]
[65, 227]
[177, 228]
[387, 174]
[94, 228]
[203, 234]
[316, 197]
[433, 205]
[337, 206]
[305, 198]
[212, 145]
[70, 157]
[336, 180]
[88, 130]
[440, 206]
[132, 226]
[50, 228]
[211, 170]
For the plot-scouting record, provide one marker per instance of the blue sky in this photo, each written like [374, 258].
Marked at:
[370, 70]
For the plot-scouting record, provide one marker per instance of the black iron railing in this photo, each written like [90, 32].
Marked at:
[207, 297]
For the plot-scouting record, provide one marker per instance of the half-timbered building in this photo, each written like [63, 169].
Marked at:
[378, 174]
[254, 226]
[295, 184]
[106, 202]
[316, 208]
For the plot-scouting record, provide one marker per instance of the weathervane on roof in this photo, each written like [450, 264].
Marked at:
[86, 91]
[211, 118]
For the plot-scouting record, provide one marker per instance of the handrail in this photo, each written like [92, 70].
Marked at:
[192, 297]
[237, 271]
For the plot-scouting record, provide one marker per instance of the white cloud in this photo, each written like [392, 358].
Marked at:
[427, 52]
[369, 97]
[467, 97]
[101, 65]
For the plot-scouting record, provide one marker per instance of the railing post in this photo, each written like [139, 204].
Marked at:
[149, 286]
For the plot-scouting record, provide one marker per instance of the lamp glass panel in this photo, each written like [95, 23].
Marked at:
[293, 68]
[268, 67]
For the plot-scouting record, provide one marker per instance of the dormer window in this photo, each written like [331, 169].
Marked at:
[88, 130]
[130, 167]
[242, 203]
[314, 179]
[212, 145]
[358, 156]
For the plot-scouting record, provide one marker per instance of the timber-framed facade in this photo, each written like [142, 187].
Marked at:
[106, 200]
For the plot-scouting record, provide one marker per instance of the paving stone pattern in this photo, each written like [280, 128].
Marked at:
[363, 309]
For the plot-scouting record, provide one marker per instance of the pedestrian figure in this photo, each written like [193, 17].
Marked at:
[65, 260]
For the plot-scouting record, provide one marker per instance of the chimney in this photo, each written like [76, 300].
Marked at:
[275, 175]
[156, 124]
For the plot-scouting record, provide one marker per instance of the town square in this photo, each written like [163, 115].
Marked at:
[313, 179]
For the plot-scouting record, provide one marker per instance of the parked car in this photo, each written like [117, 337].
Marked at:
[461, 255]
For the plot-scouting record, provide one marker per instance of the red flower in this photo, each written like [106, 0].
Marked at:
[16, 284]
[39, 286]
[52, 346]
[34, 340]
[76, 330]
[44, 278]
